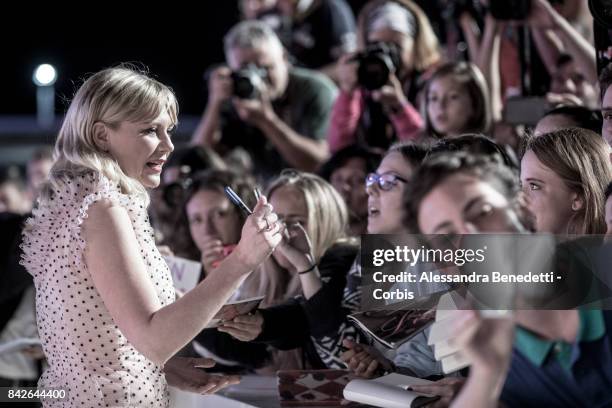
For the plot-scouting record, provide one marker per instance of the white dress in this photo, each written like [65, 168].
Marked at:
[87, 353]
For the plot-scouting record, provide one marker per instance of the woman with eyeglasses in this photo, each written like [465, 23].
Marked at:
[328, 326]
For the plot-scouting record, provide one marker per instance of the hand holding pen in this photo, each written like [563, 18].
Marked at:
[261, 232]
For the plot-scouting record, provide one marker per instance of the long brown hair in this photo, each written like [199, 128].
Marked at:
[580, 158]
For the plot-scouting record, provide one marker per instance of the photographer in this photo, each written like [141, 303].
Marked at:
[278, 113]
[380, 84]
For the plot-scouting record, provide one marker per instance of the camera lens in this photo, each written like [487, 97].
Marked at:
[243, 87]
[373, 73]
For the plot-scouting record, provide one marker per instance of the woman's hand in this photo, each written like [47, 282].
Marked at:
[212, 252]
[243, 328]
[347, 73]
[261, 233]
[446, 388]
[391, 95]
[220, 86]
[185, 373]
[297, 248]
[487, 343]
[364, 361]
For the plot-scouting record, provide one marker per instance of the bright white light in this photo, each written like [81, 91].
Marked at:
[44, 75]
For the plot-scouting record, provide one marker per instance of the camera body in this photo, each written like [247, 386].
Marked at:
[376, 63]
[248, 81]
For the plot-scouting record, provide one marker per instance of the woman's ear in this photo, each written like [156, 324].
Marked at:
[101, 137]
[577, 202]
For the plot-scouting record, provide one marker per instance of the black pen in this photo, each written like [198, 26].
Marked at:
[237, 201]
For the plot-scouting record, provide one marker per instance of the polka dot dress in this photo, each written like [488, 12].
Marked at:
[87, 353]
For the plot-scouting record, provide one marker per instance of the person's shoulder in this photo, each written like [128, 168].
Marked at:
[310, 80]
[343, 251]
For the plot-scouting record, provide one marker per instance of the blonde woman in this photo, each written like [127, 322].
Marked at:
[305, 276]
[108, 316]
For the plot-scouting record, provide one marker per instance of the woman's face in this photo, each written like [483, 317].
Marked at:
[290, 206]
[142, 148]
[385, 209]
[548, 198]
[212, 217]
[466, 204]
[404, 43]
[449, 106]
[348, 181]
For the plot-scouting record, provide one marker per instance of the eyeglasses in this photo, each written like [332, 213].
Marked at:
[385, 181]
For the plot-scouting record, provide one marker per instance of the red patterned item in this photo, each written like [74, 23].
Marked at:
[313, 388]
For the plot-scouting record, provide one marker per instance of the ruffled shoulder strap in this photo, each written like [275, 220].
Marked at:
[60, 218]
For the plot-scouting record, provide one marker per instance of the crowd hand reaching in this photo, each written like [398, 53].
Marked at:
[296, 247]
[446, 388]
[556, 99]
[261, 233]
[244, 328]
[542, 15]
[257, 111]
[186, 374]
[212, 251]
[365, 361]
[391, 95]
[487, 343]
[347, 73]
[219, 86]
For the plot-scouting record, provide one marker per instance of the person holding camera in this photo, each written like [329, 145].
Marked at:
[379, 85]
[278, 113]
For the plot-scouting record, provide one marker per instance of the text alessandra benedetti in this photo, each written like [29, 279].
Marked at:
[493, 277]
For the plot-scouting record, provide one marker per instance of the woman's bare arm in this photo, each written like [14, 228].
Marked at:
[120, 276]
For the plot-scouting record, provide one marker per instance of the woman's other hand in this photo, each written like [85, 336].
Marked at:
[243, 328]
[186, 374]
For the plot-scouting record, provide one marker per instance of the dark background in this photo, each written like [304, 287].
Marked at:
[176, 42]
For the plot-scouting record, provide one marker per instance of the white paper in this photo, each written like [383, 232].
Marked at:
[185, 272]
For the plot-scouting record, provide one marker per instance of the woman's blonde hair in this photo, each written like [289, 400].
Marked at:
[426, 44]
[580, 158]
[110, 96]
[327, 212]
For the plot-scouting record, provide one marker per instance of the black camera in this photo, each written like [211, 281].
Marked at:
[376, 63]
[248, 81]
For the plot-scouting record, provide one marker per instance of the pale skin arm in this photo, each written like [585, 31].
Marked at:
[122, 280]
